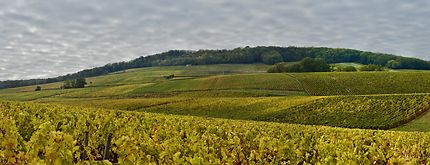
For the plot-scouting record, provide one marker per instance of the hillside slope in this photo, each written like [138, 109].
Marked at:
[247, 55]
[386, 99]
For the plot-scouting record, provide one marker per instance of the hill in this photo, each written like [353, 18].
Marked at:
[220, 114]
[377, 100]
[247, 55]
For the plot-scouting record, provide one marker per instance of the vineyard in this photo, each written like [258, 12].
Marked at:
[229, 80]
[368, 112]
[51, 134]
[245, 108]
[154, 74]
[364, 83]
[280, 82]
[374, 112]
[243, 92]
[220, 114]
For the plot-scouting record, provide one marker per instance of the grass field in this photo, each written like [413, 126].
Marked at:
[421, 124]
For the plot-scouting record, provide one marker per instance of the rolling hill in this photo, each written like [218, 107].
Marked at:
[223, 107]
[377, 100]
[247, 55]
[221, 114]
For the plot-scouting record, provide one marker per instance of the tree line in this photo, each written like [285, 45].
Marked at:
[74, 83]
[69, 84]
[305, 65]
[246, 55]
[318, 65]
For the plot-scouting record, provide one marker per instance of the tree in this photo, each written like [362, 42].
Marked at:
[74, 83]
[38, 88]
[346, 69]
[306, 65]
[285, 67]
[350, 69]
[314, 65]
[294, 68]
[80, 83]
[271, 57]
[393, 64]
[371, 67]
[278, 68]
[68, 84]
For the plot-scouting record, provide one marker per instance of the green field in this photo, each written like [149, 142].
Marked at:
[421, 124]
[364, 83]
[39, 133]
[138, 82]
[375, 100]
[370, 112]
[222, 114]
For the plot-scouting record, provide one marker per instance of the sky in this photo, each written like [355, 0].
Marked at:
[48, 38]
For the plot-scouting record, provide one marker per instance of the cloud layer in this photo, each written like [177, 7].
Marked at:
[46, 38]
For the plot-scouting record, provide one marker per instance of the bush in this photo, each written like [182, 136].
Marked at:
[346, 69]
[306, 65]
[75, 83]
[314, 65]
[169, 77]
[371, 67]
[393, 64]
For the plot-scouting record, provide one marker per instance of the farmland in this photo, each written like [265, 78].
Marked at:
[219, 82]
[38, 133]
[376, 100]
[364, 83]
[370, 112]
[237, 113]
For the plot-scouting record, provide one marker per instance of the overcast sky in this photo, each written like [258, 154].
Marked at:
[46, 38]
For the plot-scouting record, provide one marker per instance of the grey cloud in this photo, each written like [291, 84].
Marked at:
[46, 38]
